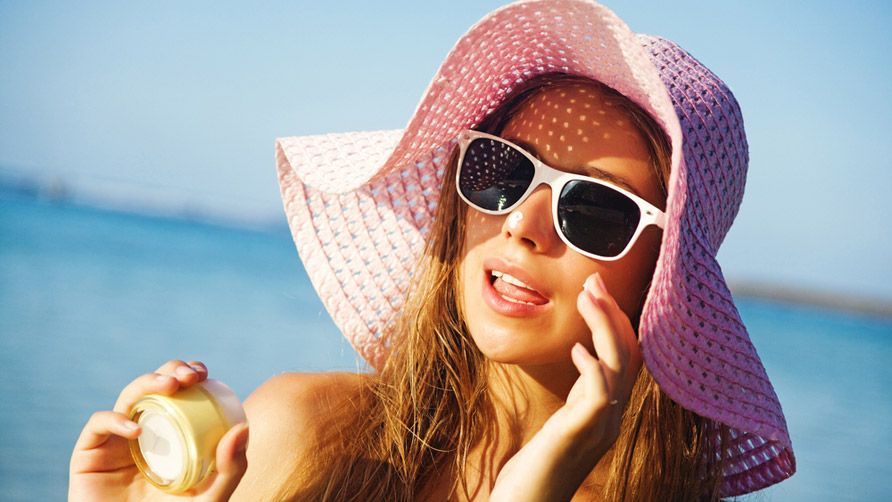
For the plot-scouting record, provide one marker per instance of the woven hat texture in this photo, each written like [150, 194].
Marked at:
[360, 204]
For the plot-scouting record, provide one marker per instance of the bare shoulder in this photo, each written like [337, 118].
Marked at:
[287, 417]
[292, 396]
[297, 405]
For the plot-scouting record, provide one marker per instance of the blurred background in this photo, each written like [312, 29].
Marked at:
[140, 218]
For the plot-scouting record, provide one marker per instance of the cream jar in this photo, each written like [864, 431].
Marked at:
[178, 443]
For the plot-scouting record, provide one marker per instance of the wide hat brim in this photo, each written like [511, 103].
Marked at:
[359, 206]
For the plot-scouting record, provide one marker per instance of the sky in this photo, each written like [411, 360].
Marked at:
[177, 105]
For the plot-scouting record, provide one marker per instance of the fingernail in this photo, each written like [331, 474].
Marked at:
[600, 282]
[185, 371]
[197, 368]
[130, 425]
[243, 442]
[589, 284]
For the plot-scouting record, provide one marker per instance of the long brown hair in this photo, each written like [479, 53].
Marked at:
[415, 422]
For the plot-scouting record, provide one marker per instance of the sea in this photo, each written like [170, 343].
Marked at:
[91, 298]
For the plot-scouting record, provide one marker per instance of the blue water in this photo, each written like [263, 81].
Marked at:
[89, 299]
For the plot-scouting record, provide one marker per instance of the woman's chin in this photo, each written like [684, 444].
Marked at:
[512, 352]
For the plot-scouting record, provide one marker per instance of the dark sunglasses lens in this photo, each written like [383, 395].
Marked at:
[596, 218]
[494, 175]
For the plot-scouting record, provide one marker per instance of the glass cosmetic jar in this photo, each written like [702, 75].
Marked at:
[178, 443]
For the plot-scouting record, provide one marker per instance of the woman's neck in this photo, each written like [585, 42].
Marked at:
[525, 396]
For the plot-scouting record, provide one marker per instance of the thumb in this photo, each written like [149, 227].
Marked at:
[231, 463]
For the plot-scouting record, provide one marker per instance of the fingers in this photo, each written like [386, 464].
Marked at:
[186, 373]
[166, 380]
[593, 306]
[102, 444]
[595, 387]
[621, 323]
[231, 464]
[101, 426]
[614, 339]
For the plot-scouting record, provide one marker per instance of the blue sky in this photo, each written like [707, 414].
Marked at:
[177, 104]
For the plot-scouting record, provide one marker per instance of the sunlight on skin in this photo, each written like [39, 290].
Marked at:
[569, 127]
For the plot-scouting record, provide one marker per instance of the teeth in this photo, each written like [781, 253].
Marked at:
[512, 300]
[510, 279]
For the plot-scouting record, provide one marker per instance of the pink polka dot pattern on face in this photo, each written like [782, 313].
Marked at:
[361, 204]
[487, 162]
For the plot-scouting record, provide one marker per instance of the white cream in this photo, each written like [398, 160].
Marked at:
[161, 445]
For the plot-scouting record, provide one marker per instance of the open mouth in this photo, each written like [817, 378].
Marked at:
[513, 290]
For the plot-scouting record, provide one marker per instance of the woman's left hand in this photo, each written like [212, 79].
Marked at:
[555, 462]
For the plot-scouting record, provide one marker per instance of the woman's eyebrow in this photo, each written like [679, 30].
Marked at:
[586, 170]
[597, 172]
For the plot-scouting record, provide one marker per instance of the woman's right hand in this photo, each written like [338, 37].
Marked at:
[101, 466]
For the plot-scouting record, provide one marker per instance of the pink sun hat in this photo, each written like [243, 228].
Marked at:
[360, 204]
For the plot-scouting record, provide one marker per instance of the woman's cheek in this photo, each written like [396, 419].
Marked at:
[629, 279]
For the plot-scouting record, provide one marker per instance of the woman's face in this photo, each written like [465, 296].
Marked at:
[573, 127]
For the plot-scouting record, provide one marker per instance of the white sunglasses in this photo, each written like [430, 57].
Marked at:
[593, 217]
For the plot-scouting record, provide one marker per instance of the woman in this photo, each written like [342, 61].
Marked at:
[547, 222]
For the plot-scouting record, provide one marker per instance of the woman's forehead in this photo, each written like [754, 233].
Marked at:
[571, 126]
[565, 117]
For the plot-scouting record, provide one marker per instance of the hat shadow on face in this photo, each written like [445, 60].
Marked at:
[361, 221]
[562, 120]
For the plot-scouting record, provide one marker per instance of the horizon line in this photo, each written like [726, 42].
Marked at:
[758, 289]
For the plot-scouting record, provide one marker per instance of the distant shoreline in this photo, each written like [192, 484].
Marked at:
[61, 193]
[788, 294]
[129, 198]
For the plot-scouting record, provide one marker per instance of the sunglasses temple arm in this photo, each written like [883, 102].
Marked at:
[658, 219]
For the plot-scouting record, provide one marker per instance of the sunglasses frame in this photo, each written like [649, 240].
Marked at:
[557, 179]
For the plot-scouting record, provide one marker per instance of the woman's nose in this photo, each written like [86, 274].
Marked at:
[531, 223]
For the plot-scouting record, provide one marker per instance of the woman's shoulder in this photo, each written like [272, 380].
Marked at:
[292, 401]
[300, 386]
[288, 416]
